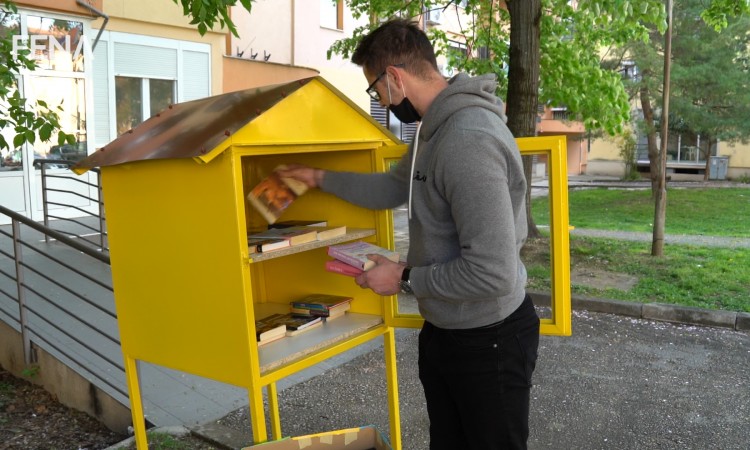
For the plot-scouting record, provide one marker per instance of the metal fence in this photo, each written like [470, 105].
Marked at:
[61, 189]
[57, 292]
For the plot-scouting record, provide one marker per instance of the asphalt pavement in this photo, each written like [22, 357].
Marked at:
[632, 376]
[616, 383]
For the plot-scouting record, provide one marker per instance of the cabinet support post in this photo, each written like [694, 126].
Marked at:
[136, 405]
[273, 407]
[257, 415]
[391, 374]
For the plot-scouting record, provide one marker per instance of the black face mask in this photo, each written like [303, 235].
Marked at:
[404, 111]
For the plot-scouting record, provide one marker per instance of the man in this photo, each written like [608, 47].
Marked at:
[463, 181]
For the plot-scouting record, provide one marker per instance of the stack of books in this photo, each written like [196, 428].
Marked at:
[290, 324]
[276, 237]
[326, 306]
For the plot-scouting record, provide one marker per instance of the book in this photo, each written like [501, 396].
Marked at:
[355, 253]
[295, 235]
[262, 245]
[292, 325]
[273, 195]
[272, 339]
[316, 322]
[298, 223]
[336, 266]
[269, 329]
[325, 232]
[321, 302]
[320, 226]
[328, 315]
[324, 305]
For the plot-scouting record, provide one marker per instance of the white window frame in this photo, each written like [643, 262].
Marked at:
[114, 37]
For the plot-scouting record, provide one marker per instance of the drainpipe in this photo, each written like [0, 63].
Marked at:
[98, 13]
[294, 24]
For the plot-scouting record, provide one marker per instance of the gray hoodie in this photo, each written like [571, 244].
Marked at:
[467, 211]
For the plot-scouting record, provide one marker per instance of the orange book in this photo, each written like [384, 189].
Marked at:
[274, 194]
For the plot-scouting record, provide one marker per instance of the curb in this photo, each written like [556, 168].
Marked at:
[663, 312]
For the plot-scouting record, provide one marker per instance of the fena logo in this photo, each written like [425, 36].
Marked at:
[44, 46]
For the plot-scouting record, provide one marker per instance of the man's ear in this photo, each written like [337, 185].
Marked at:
[397, 76]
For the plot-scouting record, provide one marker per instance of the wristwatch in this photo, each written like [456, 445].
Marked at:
[404, 283]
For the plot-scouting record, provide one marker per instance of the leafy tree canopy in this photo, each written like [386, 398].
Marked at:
[207, 14]
[572, 40]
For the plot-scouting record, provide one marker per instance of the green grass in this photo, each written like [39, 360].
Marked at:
[711, 211]
[705, 277]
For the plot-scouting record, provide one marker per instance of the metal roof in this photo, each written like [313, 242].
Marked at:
[190, 129]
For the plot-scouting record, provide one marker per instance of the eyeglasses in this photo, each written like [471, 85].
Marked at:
[371, 91]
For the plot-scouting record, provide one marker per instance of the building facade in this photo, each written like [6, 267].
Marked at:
[108, 64]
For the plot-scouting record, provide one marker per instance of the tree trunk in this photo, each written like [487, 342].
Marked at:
[653, 149]
[660, 207]
[523, 82]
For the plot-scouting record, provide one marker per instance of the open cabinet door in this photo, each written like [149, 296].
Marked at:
[551, 152]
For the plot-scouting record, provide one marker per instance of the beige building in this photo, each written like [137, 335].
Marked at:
[685, 160]
[281, 40]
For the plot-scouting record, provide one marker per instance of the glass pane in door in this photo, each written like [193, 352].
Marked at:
[68, 94]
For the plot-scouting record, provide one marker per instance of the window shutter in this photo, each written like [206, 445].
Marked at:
[101, 90]
[407, 132]
[145, 61]
[196, 70]
[379, 113]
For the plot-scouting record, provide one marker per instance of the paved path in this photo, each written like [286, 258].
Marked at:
[680, 239]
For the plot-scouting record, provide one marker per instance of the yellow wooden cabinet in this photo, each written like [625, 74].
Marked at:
[187, 291]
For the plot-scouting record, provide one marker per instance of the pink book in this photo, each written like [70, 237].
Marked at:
[342, 268]
[355, 254]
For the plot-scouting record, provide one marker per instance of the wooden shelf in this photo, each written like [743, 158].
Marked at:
[351, 235]
[291, 348]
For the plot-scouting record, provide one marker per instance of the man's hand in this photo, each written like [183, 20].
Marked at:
[311, 176]
[383, 278]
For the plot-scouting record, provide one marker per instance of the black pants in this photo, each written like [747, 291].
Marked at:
[477, 382]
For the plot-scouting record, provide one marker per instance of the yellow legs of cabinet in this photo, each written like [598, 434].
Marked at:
[257, 411]
[391, 375]
[258, 416]
[273, 407]
[136, 405]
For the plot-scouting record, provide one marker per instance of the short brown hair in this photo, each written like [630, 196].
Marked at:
[397, 41]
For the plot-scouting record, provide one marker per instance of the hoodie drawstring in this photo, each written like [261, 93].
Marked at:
[413, 160]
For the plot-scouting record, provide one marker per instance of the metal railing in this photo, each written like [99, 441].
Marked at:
[88, 227]
[57, 292]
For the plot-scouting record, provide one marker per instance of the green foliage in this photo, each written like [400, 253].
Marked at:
[626, 142]
[207, 13]
[709, 69]
[28, 120]
[719, 12]
[744, 179]
[30, 371]
[571, 72]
